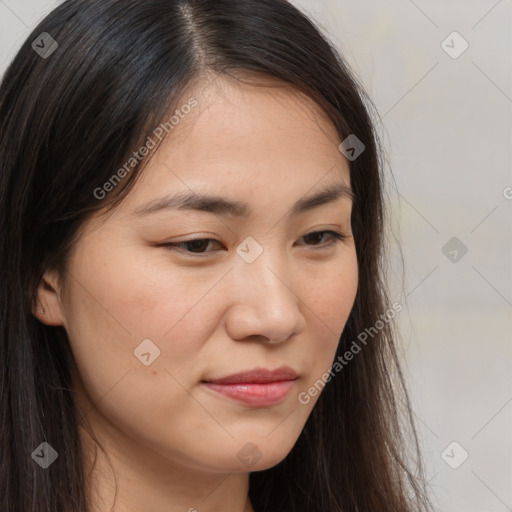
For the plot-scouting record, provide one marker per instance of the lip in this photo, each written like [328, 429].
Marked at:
[259, 387]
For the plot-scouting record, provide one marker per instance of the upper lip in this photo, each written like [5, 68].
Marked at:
[257, 376]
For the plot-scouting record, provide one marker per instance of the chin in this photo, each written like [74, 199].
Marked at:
[262, 454]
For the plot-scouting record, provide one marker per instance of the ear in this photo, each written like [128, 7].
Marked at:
[48, 307]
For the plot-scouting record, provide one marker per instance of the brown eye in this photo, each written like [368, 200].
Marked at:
[334, 237]
[199, 246]
[196, 246]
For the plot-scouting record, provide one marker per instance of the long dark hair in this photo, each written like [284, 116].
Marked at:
[67, 122]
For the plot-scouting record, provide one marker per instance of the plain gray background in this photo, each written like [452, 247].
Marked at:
[447, 130]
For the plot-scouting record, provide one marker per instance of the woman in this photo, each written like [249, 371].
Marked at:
[194, 315]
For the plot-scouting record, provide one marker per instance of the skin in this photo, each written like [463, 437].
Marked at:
[172, 442]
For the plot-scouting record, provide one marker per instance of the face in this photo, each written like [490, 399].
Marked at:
[160, 302]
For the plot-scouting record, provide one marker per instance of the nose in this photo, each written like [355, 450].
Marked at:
[264, 305]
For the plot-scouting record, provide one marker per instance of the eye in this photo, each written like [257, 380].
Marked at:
[195, 246]
[334, 237]
[198, 245]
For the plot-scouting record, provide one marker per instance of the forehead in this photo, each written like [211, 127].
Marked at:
[247, 141]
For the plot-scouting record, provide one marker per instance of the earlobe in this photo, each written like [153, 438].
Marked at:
[48, 307]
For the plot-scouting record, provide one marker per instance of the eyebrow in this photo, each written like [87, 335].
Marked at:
[222, 206]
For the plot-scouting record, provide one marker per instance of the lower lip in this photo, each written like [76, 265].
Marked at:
[258, 395]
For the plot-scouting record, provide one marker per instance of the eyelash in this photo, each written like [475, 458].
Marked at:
[335, 236]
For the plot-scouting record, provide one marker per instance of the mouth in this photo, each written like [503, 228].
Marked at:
[257, 388]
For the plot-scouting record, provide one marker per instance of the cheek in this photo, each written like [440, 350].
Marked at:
[122, 313]
[328, 304]
[122, 297]
[330, 294]
[120, 308]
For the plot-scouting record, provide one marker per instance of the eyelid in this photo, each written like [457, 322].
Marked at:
[336, 237]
